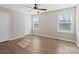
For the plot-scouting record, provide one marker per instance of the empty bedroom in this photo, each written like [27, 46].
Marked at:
[39, 29]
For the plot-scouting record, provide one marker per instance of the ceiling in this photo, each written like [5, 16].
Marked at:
[22, 8]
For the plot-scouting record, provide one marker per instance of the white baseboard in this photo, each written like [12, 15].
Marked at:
[55, 38]
[45, 36]
[17, 37]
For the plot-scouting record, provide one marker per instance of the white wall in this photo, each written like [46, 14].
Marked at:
[19, 23]
[28, 24]
[48, 25]
[4, 26]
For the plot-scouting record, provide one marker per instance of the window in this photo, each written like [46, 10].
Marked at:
[65, 22]
[35, 22]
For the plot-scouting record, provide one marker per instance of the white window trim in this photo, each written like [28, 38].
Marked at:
[33, 28]
[71, 24]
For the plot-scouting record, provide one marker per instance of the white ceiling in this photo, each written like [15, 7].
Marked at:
[49, 7]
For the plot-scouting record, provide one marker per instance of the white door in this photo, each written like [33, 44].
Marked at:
[4, 26]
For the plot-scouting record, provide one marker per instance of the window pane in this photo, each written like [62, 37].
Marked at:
[65, 17]
[35, 25]
[65, 27]
[65, 22]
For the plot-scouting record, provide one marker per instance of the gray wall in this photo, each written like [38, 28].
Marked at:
[17, 22]
[48, 25]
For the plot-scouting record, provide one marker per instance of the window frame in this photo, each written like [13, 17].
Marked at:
[71, 22]
[34, 23]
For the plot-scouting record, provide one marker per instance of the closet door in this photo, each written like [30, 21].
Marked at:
[4, 26]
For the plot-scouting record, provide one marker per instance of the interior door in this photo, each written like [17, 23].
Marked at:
[4, 26]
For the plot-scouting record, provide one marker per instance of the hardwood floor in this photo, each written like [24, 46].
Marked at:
[33, 44]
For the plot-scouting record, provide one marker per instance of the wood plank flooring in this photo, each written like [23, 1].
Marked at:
[33, 44]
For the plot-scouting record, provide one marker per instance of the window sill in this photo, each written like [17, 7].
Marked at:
[63, 31]
[36, 29]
